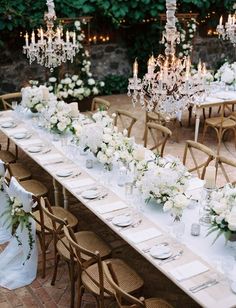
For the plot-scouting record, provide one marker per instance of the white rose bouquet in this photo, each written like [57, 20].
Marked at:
[165, 182]
[227, 73]
[35, 98]
[223, 212]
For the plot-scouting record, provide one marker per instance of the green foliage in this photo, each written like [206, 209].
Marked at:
[115, 84]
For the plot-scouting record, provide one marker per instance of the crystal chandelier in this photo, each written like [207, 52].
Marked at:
[50, 50]
[229, 30]
[167, 87]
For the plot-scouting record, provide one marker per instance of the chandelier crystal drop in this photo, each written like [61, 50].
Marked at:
[50, 49]
[168, 87]
[229, 30]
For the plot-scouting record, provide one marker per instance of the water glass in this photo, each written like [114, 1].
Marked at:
[178, 230]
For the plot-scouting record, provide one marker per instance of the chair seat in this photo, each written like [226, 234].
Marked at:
[20, 172]
[35, 187]
[88, 240]
[156, 303]
[226, 123]
[127, 278]
[7, 156]
[58, 211]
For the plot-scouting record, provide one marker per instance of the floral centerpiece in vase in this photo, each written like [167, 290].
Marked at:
[227, 74]
[35, 98]
[164, 182]
[223, 212]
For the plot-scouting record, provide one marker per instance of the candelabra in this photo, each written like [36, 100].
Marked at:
[50, 50]
[229, 30]
[168, 86]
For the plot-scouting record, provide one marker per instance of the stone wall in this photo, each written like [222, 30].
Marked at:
[106, 59]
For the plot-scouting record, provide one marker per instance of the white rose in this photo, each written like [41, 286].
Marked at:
[87, 92]
[79, 82]
[61, 126]
[107, 138]
[72, 85]
[232, 222]
[53, 120]
[75, 77]
[167, 206]
[95, 90]
[52, 79]
[102, 84]
[59, 86]
[91, 81]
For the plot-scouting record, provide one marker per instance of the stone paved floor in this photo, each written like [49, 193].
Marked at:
[41, 294]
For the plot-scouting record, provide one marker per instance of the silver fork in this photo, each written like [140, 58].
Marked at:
[174, 257]
[204, 285]
[160, 244]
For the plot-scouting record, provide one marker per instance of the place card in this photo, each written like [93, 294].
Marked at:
[77, 183]
[143, 235]
[188, 270]
[110, 207]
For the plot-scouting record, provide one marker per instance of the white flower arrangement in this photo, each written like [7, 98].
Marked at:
[227, 73]
[164, 181]
[36, 98]
[186, 37]
[58, 117]
[223, 211]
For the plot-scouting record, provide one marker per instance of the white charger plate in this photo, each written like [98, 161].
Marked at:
[160, 252]
[8, 124]
[64, 173]
[90, 194]
[122, 221]
[20, 135]
[35, 149]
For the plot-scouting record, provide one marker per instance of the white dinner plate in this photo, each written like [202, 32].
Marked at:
[64, 173]
[122, 220]
[20, 135]
[8, 124]
[160, 252]
[35, 149]
[90, 194]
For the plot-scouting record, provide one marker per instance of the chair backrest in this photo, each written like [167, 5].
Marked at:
[84, 259]
[119, 293]
[159, 135]
[126, 118]
[223, 164]
[100, 104]
[7, 98]
[198, 164]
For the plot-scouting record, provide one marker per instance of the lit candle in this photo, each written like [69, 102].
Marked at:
[229, 19]
[188, 64]
[199, 67]
[41, 34]
[204, 69]
[74, 37]
[33, 38]
[67, 36]
[221, 20]
[135, 68]
[151, 65]
[165, 69]
[26, 39]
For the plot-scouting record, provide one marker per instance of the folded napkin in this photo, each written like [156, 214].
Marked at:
[6, 119]
[110, 207]
[141, 236]
[76, 183]
[28, 142]
[188, 270]
[47, 158]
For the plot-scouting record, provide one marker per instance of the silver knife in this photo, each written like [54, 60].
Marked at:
[204, 285]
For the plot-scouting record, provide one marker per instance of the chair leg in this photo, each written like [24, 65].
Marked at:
[54, 276]
[72, 284]
[80, 294]
[204, 133]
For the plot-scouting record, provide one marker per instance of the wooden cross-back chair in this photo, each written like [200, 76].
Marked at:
[125, 300]
[159, 135]
[90, 272]
[223, 164]
[220, 124]
[100, 104]
[8, 98]
[126, 118]
[200, 164]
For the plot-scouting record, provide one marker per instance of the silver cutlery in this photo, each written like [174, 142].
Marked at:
[100, 197]
[75, 175]
[204, 285]
[133, 225]
[173, 258]
[54, 163]
[46, 151]
[160, 244]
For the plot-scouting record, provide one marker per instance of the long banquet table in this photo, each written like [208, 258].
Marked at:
[154, 227]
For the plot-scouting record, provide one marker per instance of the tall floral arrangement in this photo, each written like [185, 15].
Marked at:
[82, 84]
[223, 211]
[227, 73]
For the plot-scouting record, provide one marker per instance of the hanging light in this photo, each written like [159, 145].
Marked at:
[168, 86]
[229, 30]
[48, 48]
